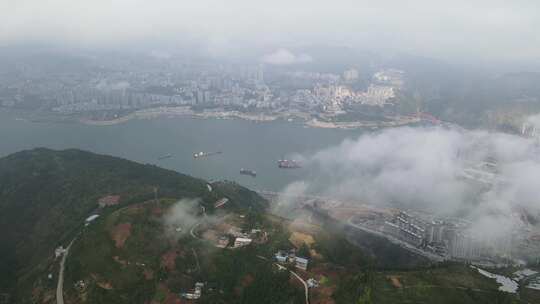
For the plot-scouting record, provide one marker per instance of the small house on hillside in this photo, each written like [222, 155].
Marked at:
[223, 242]
[240, 242]
[301, 263]
[91, 218]
[194, 294]
[109, 200]
[281, 256]
[312, 283]
[59, 251]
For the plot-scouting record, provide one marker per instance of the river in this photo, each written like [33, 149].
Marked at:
[245, 144]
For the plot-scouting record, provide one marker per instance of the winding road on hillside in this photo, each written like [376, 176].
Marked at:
[281, 267]
[306, 290]
[60, 286]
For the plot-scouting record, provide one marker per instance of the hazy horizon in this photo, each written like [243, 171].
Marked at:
[485, 31]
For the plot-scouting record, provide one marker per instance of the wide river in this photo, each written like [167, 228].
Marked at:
[245, 144]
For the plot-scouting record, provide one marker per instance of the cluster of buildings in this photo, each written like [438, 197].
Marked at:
[290, 257]
[197, 85]
[529, 129]
[417, 232]
[109, 200]
[240, 238]
[389, 77]
[334, 97]
[449, 239]
[377, 95]
[194, 294]
[242, 241]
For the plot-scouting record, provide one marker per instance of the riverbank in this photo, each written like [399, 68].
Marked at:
[396, 122]
[307, 120]
[141, 114]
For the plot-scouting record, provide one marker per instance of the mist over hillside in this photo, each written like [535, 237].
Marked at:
[485, 178]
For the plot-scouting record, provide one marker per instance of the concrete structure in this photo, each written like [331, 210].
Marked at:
[281, 256]
[240, 242]
[109, 200]
[377, 95]
[236, 232]
[194, 294]
[350, 75]
[406, 228]
[312, 283]
[59, 251]
[435, 232]
[464, 246]
[91, 218]
[301, 263]
[223, 242]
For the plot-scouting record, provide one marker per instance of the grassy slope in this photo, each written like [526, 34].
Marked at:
[45, 196]
[448, 284]
[237, 276]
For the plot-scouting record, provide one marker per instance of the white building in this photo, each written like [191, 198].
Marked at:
[59, 251]
[350, 75]
[301, 263]
[240, 242]
[91, 218]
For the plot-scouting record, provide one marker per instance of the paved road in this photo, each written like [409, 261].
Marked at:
[306, 290]
[60, 286]
[281, 267]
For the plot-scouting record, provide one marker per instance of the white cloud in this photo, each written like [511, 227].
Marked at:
[425, 169]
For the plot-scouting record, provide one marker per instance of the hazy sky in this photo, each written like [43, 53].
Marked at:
[470, 28]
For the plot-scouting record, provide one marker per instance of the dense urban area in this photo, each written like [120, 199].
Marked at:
[105, 92]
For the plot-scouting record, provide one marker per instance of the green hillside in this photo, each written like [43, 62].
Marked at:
[151, 265]
[45, 196]
[163, 235]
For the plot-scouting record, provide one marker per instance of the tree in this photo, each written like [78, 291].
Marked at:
[366, 297]
[303, 251]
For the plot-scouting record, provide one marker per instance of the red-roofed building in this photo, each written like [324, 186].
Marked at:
[109, 200]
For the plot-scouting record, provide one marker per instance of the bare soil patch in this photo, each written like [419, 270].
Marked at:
[299, 238]
[395, 281]
[120, 233]
[168, 259]
[148, 274]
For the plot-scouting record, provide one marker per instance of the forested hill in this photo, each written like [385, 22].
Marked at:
[45, 195]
